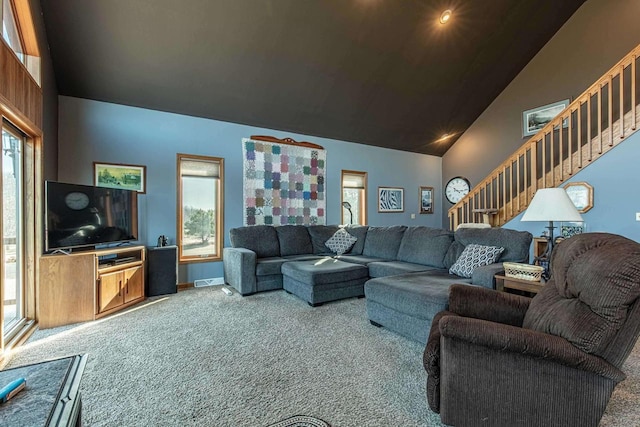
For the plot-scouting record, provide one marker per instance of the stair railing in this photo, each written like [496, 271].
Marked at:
[596, 121]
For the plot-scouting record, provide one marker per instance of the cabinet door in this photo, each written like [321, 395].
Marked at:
[110, 292]
[134, 280]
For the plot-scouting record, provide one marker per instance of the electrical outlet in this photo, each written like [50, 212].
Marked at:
[637, 216]
[413, 216]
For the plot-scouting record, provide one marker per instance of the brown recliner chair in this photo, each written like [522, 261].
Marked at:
[498, 359]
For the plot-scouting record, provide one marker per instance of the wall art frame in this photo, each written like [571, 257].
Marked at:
[581, 194]
[536, 118]
[426, 200]
[390, 199]
[120, 175]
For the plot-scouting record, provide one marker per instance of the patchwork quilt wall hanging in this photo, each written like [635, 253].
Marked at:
[283, 184]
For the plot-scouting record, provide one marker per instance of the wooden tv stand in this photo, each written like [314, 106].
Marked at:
[87, 285]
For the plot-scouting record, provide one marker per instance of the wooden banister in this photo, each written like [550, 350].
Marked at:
[571, 141]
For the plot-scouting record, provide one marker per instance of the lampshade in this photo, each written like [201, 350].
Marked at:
[551, 204]
[346, 205]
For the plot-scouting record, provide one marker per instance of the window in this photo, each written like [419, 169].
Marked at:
[354, 197]
[200, 235]
[10, 31]
[12, 226]
[20, 173]
[19, 34]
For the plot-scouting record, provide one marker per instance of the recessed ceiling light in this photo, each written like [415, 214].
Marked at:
[445, 136]
[446, 15]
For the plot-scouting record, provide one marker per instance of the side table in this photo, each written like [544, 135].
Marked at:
[51, 397]
[503, 283]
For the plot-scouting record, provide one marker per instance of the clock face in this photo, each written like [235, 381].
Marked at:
[76, 200]
[456, 189]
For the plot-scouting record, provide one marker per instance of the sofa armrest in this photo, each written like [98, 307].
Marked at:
[485, 276]
[240, 269]
[487, 304]
[525, 342]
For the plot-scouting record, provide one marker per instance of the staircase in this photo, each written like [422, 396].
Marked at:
[598, 120]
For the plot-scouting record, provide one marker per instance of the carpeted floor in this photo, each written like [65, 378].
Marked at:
[201, 358]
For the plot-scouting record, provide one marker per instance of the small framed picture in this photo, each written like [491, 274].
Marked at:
[117, 175]
[390, 199]
[568, 229]
[581, 194]
[536, 118]
[426, 200]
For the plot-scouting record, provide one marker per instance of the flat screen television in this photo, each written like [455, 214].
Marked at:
[83, 216]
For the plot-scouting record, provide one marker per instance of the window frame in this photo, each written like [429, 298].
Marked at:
[29, 56]
[362, 217]
[20, 101]
[219, 217]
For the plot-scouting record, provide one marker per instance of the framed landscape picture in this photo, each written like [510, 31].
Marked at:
[536, 118]
[116, 175]
[426, 200]
[390, 199]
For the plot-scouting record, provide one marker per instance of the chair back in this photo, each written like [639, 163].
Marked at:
[591, 298]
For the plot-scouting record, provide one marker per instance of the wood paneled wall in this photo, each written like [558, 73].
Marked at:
[18, 91]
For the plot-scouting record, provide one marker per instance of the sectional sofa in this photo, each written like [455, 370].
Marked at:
[404, 272]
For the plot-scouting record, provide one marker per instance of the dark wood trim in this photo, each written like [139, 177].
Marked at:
[286, 141]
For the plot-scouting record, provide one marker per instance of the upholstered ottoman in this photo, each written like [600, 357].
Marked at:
[323, 280]
[407, 303]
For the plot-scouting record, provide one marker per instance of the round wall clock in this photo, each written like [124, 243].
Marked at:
[456, 189]
[76, 200]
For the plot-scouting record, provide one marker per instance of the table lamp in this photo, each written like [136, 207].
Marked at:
[551, 204]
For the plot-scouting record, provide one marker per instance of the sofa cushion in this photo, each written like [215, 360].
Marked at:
[425, 245]
[474, 256]
[269, 266]
[359, 232]
[294, 240]
[595, 278]
[419, 295]
[341, 241]
[320, 234]
[359, 259]
[516, 244]
[383, 242]
[302, 257]
[454, 252]
[262, 239]
[323, 271]
[392, 268]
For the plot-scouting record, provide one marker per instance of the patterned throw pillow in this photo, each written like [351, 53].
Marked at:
[341, 241]
[474, 256]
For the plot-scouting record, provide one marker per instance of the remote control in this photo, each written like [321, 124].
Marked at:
[11, 389]
[227, 291]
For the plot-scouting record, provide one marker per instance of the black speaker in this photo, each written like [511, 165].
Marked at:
[162, 266]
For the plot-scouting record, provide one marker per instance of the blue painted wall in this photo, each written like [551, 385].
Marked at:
[616, 193]
[97, 131]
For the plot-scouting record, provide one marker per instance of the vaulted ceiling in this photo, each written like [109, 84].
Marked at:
[377, 72]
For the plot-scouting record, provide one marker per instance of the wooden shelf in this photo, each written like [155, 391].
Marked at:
[87, 285]
[539, 246]
[503, 283]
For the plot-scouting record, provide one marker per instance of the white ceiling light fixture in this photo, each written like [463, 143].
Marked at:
[446, 16]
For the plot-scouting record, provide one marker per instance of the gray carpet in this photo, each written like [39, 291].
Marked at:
[201, 358]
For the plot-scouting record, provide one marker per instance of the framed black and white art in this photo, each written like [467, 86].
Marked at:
[390, 199]
[426, 200]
